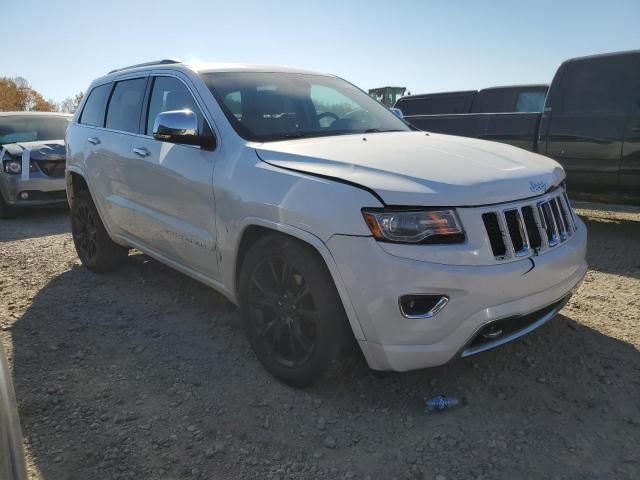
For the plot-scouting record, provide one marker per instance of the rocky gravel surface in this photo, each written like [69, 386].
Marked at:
[145, 374]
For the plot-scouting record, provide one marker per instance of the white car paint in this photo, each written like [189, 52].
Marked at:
[189, 208]
[418, 168]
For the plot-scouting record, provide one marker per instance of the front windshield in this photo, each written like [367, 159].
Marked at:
[277, 106]
[28, 128]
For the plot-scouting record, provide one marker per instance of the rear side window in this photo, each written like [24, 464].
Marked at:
[597, 85]
[95, 106]
[168, 94]
[125, 105]
[530, 101]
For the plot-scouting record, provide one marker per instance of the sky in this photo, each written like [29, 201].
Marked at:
[60, 46]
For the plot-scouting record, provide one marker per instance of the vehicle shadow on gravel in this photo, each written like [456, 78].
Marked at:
[145, 373]
[32, 223]
[609, 240]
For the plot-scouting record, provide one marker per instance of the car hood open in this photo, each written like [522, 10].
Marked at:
[420, 169]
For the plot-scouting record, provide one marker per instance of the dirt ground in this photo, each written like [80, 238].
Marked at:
[145, 374]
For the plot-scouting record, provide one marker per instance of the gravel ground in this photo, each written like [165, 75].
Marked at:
[145, 374]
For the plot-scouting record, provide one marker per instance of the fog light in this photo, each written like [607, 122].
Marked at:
[24, 196]
[422, 305]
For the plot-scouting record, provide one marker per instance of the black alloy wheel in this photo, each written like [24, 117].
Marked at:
[292, 313]
[85, 233]
[283, 307]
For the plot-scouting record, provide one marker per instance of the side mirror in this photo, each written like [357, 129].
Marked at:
[181, 126]
[397, 112]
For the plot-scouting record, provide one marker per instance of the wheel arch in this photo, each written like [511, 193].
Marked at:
[254, 228]
[75, 183]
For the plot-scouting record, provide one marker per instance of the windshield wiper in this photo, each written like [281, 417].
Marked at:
[326, 133]
[294, 135]
[377, 130]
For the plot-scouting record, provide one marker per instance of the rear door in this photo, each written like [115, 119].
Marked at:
[101, 149]
[629, 179]
[172, 184]
[588, 121]
[112, 157]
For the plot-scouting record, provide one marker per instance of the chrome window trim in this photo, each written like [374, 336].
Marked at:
[132, 76]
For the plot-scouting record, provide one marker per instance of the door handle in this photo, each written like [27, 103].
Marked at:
[143, 152]
[93, 140]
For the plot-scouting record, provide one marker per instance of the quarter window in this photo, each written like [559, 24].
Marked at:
[95, 106]
[530, 101]
[125, 105]
[168, 94]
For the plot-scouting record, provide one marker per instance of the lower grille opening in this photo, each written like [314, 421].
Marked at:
[508, 326]
[495, 234]
[37, 195]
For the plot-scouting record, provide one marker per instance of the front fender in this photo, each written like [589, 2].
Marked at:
[309, 239]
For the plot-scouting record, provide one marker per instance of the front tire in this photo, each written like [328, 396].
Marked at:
[292, 314]
[95, 248]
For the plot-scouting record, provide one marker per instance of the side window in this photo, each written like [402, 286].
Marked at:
[530, 101]
[169, 93]
[125, 105]
[597, 85]
[95, 106]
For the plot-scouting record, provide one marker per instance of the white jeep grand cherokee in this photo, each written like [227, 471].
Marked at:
[321, 214]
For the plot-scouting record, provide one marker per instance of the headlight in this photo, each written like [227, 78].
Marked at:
[13, 166]
[414, 226]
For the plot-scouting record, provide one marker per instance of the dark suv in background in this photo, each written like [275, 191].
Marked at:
[517, 98]
[590, 124]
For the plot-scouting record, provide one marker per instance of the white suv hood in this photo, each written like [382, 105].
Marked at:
[415, 168]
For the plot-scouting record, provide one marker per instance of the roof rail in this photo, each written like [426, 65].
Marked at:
[167, 61]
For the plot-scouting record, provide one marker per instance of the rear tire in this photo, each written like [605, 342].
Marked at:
[95, 248]
[292, 313]
[6, 211]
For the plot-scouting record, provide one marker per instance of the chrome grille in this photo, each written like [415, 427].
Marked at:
[529, 229]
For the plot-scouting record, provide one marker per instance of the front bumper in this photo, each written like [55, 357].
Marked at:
[478, 295]
[42, 190]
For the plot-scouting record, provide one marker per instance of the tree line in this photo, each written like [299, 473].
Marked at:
[17, 95]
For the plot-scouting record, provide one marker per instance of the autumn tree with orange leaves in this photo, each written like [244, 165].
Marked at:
[17, 95]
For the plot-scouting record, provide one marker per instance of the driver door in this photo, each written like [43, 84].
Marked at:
[174, 191]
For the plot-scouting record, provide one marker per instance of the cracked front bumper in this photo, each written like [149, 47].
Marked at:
[478, 295]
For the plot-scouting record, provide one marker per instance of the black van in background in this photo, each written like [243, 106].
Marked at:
[517, 98]
[590, 124]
